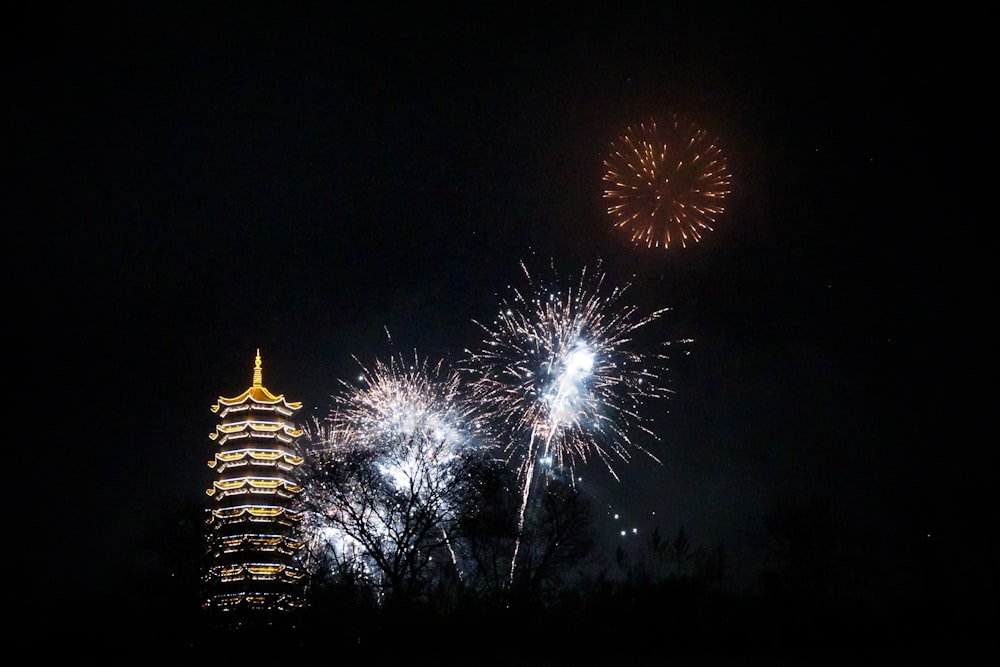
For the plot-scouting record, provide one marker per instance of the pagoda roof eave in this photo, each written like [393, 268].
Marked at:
[259, 394]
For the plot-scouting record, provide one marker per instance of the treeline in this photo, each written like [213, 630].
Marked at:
[824, 591]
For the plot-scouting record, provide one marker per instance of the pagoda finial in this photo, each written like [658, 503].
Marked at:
[257, 375]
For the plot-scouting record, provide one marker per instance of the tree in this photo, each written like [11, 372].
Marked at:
[385, 518]
[813, 549]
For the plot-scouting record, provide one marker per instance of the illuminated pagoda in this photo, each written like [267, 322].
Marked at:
[254, 546]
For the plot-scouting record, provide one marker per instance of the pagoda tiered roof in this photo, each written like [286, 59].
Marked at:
[257, 393]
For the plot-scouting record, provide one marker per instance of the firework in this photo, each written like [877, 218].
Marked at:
[391, 450]
[398, 403]
[665, 182]
[557, 370]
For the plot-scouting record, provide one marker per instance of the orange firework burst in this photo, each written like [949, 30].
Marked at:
[665, 183]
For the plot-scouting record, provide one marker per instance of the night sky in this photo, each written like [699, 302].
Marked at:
[187, 187]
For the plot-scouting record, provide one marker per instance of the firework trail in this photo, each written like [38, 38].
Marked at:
[558, 371]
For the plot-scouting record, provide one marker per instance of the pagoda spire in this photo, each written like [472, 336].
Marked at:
[257, 373]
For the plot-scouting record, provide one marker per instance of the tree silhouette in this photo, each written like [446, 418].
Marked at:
[813, 549]
[385, 518]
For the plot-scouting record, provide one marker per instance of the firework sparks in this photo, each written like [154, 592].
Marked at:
[666, 183]
[411, 425]
[398, 402]
[558, 371]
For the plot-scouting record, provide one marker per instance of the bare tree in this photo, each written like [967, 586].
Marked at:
[659, 560]
[557, 542]
[386, 518]
[813, 548]
[556, 538]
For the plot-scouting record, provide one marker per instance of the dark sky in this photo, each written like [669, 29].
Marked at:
[190, 187]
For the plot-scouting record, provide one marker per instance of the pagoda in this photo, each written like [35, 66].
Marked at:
[254, 542]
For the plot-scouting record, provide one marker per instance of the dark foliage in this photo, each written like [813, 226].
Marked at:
[665, 602]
